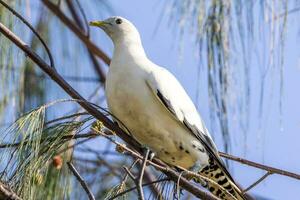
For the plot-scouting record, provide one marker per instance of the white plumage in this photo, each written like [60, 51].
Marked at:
[152, 104]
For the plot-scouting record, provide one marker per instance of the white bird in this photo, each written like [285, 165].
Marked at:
[157, 111]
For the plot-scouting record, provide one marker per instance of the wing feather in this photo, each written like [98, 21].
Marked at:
[172, 95]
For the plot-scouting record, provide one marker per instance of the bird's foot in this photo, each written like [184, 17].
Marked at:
[147, 152]
[196, 169]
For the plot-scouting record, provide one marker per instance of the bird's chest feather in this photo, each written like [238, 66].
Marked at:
[128, 98]
[131, 100]
[134, 104]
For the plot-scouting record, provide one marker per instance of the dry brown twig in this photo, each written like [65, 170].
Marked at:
[134, 188]
[7, 193]
[141, 174]
[81, 181]
[257, 182]
[139, 179]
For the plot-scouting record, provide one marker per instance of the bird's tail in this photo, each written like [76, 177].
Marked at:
[219, 183]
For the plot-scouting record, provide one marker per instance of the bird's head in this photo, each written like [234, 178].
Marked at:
[118, 29]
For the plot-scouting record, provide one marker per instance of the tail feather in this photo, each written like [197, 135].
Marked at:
[222, 186]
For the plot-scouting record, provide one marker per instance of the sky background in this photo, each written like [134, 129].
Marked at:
[269, 140]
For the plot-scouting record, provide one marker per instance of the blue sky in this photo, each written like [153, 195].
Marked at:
[269, 141]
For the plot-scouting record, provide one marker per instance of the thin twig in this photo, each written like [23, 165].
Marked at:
[131, 166]
[178, 184]
[32, 29]
[66, 137]
[134, 188]
[273, 170]
[66, 77]
[257, 182]
[76, 17]
[81, 181]
[173, 175]
[90, 45]
[288, 12]
[100, 163]
[66, 117]
[130, 174]
[73, 145]
[141, 175]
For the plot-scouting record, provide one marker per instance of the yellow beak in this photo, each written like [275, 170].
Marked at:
[97, 23]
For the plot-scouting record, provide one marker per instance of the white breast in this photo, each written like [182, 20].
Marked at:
[132, 102]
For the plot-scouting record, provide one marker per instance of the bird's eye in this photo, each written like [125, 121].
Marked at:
[118, 21]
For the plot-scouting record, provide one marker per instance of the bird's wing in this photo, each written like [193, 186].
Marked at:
[174, 98]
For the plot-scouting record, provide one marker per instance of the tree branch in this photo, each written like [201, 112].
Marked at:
[32, 29]
[269, 169]
[77, 31]
[66, 137]
[133, 188]
[141, 175]
[96, 64]
[7, 194]
[257, 182]
[81, 181]
[273, 170]
[139, 179]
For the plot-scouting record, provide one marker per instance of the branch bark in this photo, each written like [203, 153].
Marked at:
[273, 170]
[7, 194]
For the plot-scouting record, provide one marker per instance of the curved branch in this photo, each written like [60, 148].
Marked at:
[32, 29]
[90, 45]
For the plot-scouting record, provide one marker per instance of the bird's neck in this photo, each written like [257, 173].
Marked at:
[129, 48]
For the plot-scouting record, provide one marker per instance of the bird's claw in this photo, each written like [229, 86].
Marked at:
[146, 151]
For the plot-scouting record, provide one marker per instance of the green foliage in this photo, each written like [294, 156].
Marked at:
[28, 165]
[117, 190]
